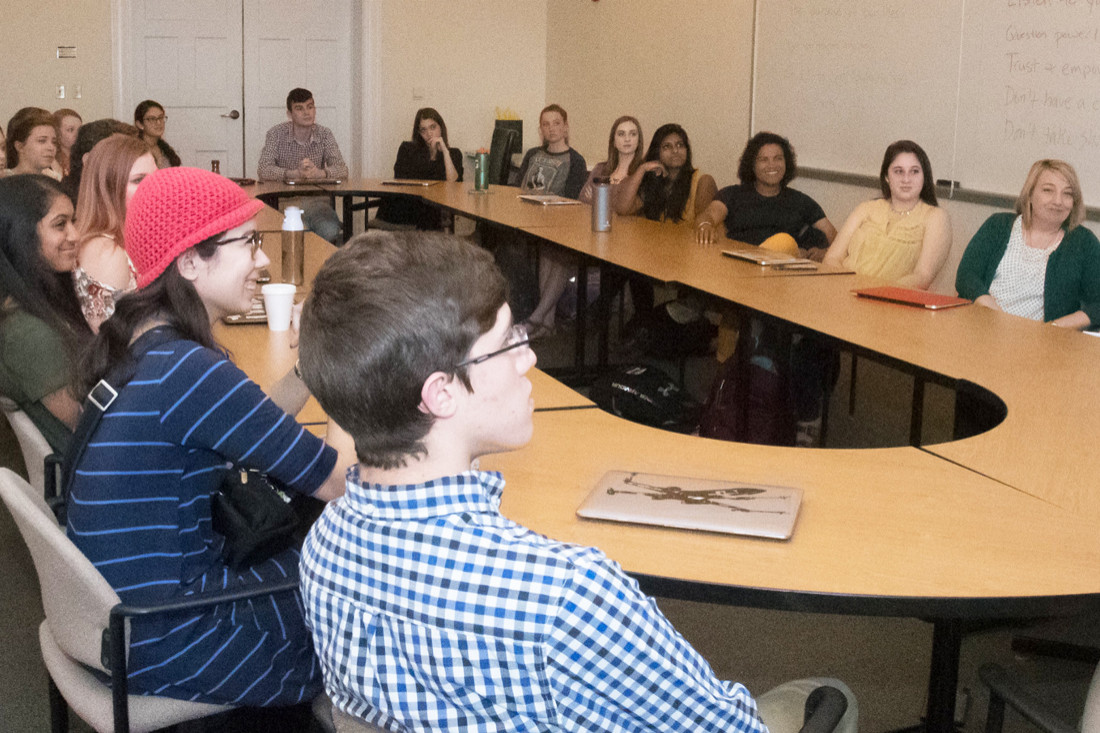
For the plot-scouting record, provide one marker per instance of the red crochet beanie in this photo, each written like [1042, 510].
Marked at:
[176, 208]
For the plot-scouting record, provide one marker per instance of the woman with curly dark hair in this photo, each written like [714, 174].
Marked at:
[762, 209]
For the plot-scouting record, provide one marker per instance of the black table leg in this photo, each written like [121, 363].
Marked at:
[580, 333]
[349, 216]
[916, 417]
[603, 315]
[943, 676]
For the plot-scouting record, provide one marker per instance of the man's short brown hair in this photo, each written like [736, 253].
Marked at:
[386, 311]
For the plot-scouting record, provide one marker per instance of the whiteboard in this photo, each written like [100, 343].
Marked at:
[842, 80]
[985, 86]
[1031, 85]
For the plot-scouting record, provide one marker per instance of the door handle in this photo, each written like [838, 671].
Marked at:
[233, 114]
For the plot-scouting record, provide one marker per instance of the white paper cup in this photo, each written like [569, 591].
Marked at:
[278, 302]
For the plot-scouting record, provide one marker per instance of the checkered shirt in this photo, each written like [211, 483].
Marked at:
[431, 611]
[283, 153]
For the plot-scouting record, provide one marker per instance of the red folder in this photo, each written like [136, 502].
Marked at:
[908, 296]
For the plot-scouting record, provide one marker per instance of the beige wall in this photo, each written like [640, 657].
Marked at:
[465, 61]
[659, 60]
[31, 71]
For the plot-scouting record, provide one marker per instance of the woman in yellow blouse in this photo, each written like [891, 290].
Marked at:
[905, 236]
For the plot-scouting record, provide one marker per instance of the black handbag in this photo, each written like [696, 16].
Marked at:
[256, 518]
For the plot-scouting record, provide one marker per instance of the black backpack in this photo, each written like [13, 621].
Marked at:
[647, 395]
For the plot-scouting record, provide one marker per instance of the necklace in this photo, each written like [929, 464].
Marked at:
[907, 212]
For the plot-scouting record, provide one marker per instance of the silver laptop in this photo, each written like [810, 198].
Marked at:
[731, 507]
[547, 199]
[768, 258]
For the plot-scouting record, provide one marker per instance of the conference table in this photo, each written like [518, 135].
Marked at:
[999, 525]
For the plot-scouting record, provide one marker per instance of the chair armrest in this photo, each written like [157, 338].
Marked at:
[824, 708]
[205, 600]
[1003, 688]
[114, 637]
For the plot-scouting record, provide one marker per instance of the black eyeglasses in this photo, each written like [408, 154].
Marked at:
[517, 337]
[255, 239]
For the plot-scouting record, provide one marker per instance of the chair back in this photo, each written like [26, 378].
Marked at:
[76, 598]
[31, 442]
[505, 142]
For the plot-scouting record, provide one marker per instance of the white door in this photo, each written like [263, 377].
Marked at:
[187, 56]
[294, 43]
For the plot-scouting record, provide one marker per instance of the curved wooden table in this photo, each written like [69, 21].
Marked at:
[1000, 524]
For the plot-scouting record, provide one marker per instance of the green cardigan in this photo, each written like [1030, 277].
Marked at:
[1073, 270]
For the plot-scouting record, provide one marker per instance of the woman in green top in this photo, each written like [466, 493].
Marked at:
[41, 326]
[1039, 262]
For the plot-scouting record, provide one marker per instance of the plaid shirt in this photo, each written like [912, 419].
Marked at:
[283, 153]
[431, 611]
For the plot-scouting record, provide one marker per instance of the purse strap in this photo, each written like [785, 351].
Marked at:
[99, 400]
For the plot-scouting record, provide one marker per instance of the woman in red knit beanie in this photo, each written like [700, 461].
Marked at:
[140, 506]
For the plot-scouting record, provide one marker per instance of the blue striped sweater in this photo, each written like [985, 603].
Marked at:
[139, 509]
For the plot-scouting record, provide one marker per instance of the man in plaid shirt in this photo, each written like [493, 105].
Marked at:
[430, 610]
[300, 149]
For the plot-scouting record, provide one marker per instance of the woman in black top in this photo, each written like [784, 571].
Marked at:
[151, 119]
[427, 156]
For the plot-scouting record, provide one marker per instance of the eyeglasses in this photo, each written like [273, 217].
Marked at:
[155, 119]
[517, 337]
[678, 145]
[255, 239]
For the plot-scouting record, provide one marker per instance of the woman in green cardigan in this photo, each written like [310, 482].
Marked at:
[1039, 263]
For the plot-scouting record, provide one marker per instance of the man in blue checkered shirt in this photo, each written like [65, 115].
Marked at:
[430, 610]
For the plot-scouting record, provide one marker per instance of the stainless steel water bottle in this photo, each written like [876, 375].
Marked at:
[601, 205]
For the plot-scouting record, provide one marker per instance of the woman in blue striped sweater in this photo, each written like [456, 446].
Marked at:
[140, 504]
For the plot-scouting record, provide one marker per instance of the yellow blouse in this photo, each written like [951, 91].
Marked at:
[888, 244]
[688, 214]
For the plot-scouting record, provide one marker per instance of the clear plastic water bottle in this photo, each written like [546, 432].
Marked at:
[294, 246]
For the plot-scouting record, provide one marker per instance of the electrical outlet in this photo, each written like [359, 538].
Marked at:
[77, 94]
[60, 91]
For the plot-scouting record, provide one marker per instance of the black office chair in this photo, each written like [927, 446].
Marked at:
[505, 143]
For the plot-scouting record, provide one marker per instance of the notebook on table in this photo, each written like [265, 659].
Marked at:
[313, 181]
[547, 199]
[409, 182]
[909, 296]
[730, 507]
